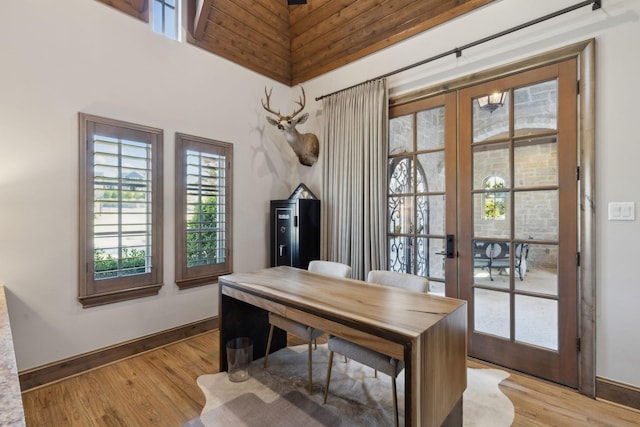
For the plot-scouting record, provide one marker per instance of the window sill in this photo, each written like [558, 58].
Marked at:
[199, 281]
[117, 296]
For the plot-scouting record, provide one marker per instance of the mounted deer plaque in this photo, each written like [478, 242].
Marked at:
[305, 145]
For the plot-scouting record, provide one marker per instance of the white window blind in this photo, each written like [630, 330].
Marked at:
[122, 189]
[206, 208]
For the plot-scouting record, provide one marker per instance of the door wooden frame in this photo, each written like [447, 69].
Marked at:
[584, 52]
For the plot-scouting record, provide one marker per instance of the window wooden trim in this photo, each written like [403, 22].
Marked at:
[90, 291]
[188, 277]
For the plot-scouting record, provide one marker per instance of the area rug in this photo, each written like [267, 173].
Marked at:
[279, 395]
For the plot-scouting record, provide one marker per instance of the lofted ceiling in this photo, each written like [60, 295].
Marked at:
[292, 44]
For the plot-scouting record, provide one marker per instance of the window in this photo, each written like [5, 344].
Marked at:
[203, 210]
[495, 202]
[120, 211]
[165, 18]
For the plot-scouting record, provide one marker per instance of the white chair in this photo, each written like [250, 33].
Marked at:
[331, 268]
[373, 359]
[399, 280]
[296, 328]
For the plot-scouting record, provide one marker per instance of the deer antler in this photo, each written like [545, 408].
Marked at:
[301, 102]
[267, 106]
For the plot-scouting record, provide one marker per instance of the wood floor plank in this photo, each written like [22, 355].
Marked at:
[541, 403]
[158, 388]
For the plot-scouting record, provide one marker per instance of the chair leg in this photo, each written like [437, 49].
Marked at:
[310, 367]
[395, 399]
[326, 386]
[264, 365]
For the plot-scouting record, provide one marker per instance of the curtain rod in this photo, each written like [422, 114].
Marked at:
[597, 4]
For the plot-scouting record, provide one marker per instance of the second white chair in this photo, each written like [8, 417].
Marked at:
[373, 359]
[303, 331]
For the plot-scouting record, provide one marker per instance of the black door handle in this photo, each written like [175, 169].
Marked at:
[450, 246]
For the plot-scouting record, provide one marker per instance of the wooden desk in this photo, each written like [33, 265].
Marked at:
[428, 332]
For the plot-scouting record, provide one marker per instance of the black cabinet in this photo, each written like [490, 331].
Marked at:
[295, 232]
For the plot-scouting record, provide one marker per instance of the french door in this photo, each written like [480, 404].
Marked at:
[518, 215]
[500, 182]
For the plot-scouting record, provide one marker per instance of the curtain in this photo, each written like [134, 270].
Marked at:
[354, 184]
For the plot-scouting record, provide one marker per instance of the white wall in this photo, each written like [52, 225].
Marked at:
[59, 58]
[617, 32]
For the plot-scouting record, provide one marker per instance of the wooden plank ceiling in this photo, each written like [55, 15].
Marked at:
[292, 44]
[136, 8]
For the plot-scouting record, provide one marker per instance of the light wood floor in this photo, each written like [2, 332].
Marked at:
[158, 388]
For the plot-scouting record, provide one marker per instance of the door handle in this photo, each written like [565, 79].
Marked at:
[283, 249]
[449, 251]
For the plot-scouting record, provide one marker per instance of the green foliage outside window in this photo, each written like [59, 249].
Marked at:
[105, 265]
[494, 209]
[126, 195]
[202, 233]
[495, 204]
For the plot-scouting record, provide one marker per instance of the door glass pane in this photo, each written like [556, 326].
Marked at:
[536, 215]
[430, 176]
[488, 124]
[491, 312]
[536, 321]
[429, 260]
[401, 214]
[535, 108]
[401, 175]
[430, 124]
[536, 162]
[481, 262]
[489, 161]
[491, 215]
[431, 215]
[399, 253]
[436, 287]
[401, 134]
[491, 261]
[536, 268]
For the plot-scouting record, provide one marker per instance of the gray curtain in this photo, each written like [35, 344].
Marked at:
[354, 188]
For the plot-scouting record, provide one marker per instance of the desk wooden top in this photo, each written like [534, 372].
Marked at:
[399, 313]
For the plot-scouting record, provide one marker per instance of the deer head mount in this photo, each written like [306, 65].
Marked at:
[305, 145]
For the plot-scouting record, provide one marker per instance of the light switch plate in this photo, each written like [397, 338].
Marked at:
[622, 211]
